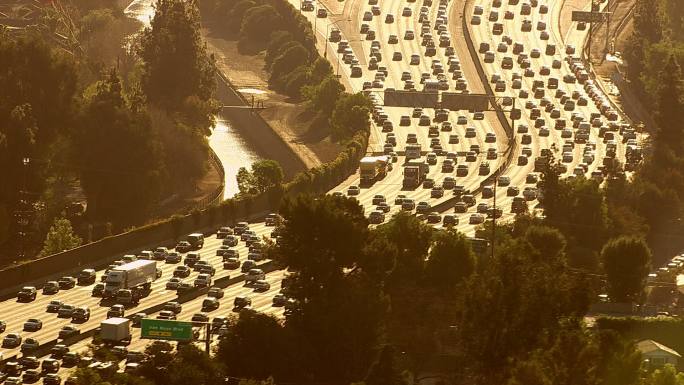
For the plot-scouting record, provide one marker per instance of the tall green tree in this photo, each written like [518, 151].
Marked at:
[351, 115]
[265, 174]
[512, 305]
[647, 20]
[338, 309]
[61, 237]
[626, 261]
[120, 186]
[242, 351]
[451, 260]
[671, 106]
[175, 63]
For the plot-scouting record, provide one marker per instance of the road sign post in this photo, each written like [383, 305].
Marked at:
[155, 329]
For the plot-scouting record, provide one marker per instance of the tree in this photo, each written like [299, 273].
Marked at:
[512, 306]
[548, 241]
[175, 63]
[412, 239]
[323, 96]
[667, 375]
[351, 115]
[670, 106]
[265, 175]
[451, 260]
[119, 187]
[259, 22]
[626, 261]
[286, 62]
[60, 238]
[337, 311]
[647, 20]
[384, 371]
[242, 349]
[577, 357]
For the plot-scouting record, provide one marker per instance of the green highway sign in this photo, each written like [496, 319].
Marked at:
[156, 329]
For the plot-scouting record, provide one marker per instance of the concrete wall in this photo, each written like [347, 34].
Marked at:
[105, 251]
[256, 131]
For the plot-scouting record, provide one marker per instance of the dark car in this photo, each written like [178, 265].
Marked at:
[86, 277]
[68, 331]
[67, 282]
[27, 294]
[98, 290]
[231, 263]
[51, 287]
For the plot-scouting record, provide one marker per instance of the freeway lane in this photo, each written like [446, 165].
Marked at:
[390, 186]
[15, 313]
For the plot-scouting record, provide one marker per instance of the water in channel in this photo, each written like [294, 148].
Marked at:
[231, 149]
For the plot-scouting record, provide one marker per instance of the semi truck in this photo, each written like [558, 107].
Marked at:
[374, 167]
[415, 172]
[115, 330]
[137, 275]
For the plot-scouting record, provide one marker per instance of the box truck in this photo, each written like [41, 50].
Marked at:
[115, 330]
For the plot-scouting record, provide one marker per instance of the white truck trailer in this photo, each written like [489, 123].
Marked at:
[135, 275]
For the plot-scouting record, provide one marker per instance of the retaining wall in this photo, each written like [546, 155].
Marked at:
[255, 130]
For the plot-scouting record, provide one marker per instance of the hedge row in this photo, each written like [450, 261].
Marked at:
[667, 331]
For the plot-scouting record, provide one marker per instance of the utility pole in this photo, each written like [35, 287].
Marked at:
[207, 337]
[494, 217]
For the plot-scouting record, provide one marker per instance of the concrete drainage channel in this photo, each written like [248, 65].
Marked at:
[223, 282]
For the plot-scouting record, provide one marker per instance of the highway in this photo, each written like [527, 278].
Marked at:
[535, 132]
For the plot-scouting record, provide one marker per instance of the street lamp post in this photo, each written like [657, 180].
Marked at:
[22, 213]
[325, 48]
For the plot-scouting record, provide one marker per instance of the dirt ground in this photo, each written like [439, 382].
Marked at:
[289, 119]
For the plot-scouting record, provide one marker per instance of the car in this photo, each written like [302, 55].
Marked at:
[210, 303]
[353, 190]
[29, 345]
[30, 376]
[160, 253]
[261, 285]
[33, 324]
[68, 331]
[396, 56]
[116, 311]
[181, 271]
[29, 362]
[241, 302]
[166, 315]
[279, 300]
[51, 287]
[321, 13]
[223, 231]
[11, 340]
[173, 282]
[183, 247]
[215, 292]
[50, 365]
[98, 290]
[408, 204]
[231, 263]
[476, 218]
[202, 280]
[409, 35]
[13, 381]
[437, 192]
[199, 319]
[52, 379]
[80, 314]
[27, 294]
[376, 217]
